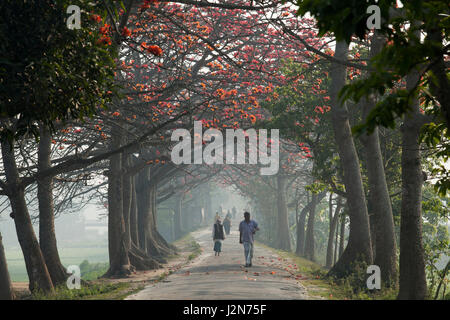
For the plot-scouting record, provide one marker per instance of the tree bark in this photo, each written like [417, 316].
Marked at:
[301, 235]
[6, 292]
[125, 255]
[209, 214]
[127, 199]
[359, 247]
[309, 241]
[342, 236]
[336, 243]
[157, 244]
[141, 187]
[300, 250]
[133, 215]
[38, 275]
[412, 264]
[119, 262]
[284, 239]
[333, 229]
[47, 236]
[150, 240]
[178, 230]
[384, 244]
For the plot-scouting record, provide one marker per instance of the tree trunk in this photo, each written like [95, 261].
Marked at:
[284, 241]
[127, 200]
[372, 223]
[125, 255]
[6, 292]
[309, 242]
[133, 215]
[209, 214]
[412, 265]
[336, 243]
[119, 262]
[151, 242]
[301, 223]
[141, 187]
[156, 244]
[300, 250]
[177, 216]
[333, 226]
[47, 236]
[385, 247]
[359, 246]
[342, 236]
[34, 260]
[172, 226]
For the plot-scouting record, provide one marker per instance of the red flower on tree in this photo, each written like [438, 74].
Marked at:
[147, 3]
[105, 29]
[104, 40]
[155, 50]
[96, 18]
[126, 32]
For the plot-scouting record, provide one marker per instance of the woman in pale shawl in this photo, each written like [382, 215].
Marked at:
[218, 236]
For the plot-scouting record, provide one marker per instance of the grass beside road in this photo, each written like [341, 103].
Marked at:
[196, 250]
[69, 256]
[88, 291]
[117, 289]
[314, 277]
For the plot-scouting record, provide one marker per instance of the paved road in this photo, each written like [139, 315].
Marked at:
[222, 277]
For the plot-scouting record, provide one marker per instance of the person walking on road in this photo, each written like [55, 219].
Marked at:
[217, 216]
[227, 223]
[233, 212]
[247, 228]
[218, 236]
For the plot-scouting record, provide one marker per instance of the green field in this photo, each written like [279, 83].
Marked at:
[69, 256]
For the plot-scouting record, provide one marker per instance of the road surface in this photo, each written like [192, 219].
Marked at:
[223, 277]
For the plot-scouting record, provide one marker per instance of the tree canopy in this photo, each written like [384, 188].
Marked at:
[49, 72]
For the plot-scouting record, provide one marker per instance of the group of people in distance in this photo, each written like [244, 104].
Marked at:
[247, 228]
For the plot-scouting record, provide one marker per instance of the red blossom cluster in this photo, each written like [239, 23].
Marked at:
[105, 31]
[153, 49]
[221, 62]
[126, 32]
[147, 3]
[96, 18]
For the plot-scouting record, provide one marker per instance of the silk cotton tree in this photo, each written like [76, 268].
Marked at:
[178, 66]
[402, 27]
[41, 88]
